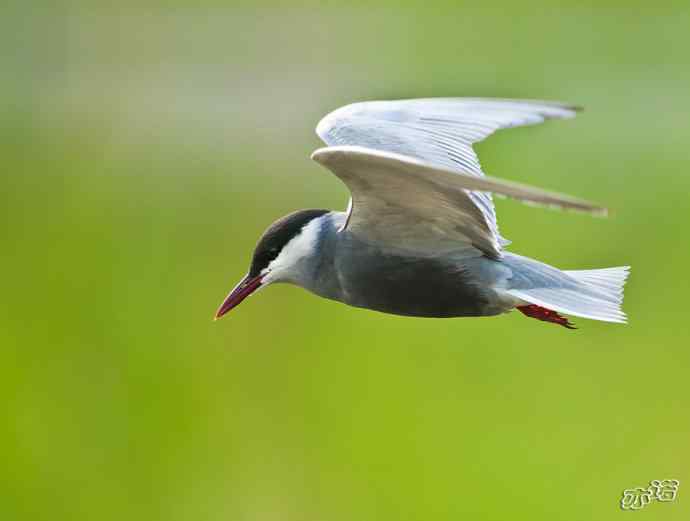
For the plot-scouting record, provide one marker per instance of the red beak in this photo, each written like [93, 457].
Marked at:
[246, 287]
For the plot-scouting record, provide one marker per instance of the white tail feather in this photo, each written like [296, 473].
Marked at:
[598, 295]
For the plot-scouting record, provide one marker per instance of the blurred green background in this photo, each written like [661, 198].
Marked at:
[144, 148]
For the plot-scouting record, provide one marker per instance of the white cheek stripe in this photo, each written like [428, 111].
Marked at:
[300, 246]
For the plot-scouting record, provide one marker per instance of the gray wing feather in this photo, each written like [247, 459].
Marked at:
[439, 131]
[403, 202]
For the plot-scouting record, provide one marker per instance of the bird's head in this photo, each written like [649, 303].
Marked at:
[279, 256]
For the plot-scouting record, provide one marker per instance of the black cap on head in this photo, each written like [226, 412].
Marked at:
[278, 235]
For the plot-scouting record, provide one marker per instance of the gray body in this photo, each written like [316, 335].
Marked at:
[402, 282]
[462, 283]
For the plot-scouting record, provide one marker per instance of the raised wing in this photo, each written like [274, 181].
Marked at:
[404, 203]
[437, 131]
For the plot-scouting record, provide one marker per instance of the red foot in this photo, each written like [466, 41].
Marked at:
[547, 315]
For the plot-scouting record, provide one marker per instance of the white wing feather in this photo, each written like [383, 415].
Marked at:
[437, 131]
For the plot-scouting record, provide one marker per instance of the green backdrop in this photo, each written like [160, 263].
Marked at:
[145, 148]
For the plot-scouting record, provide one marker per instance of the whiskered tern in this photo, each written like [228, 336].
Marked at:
[420, 235]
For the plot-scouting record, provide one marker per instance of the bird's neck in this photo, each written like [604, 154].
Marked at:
[317, 269]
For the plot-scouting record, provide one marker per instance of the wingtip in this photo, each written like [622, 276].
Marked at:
[593, 210]
[566, 106]
[601, 212]
[573, 107]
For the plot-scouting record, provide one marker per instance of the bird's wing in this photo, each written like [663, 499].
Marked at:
[437, 131]
[404, 203]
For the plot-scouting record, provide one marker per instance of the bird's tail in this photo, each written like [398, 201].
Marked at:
[593, 294]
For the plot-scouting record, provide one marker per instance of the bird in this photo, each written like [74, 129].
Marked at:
[420, 236]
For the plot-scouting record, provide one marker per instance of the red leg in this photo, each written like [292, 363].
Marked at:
[546, 315]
